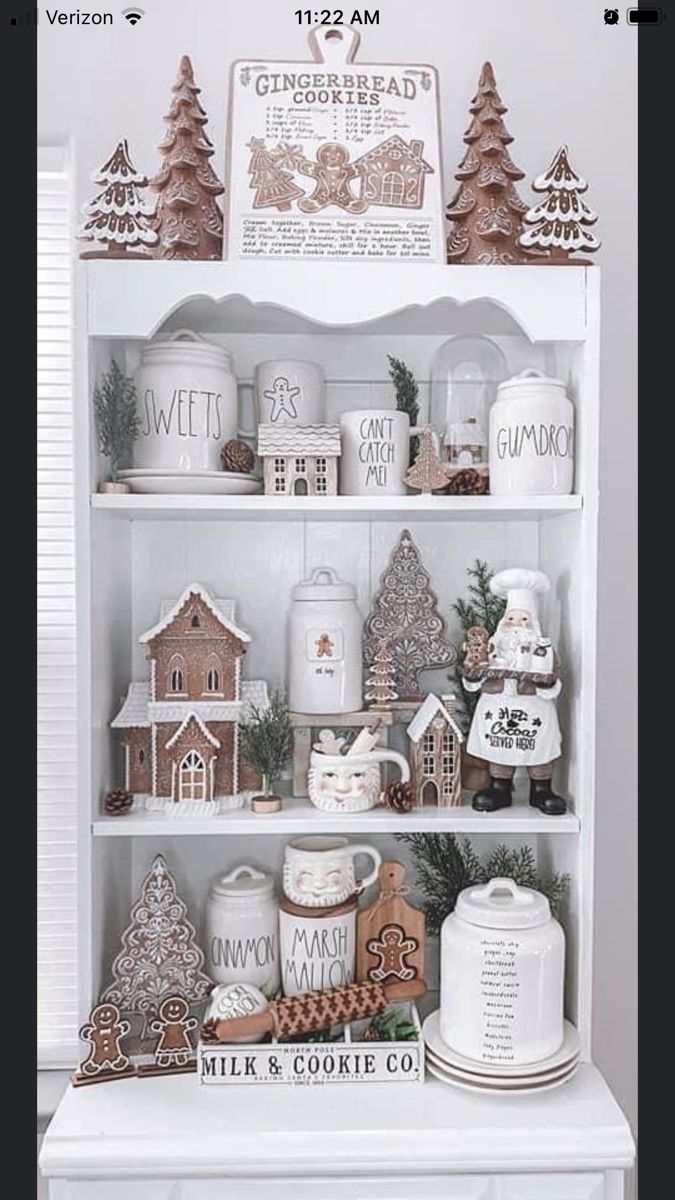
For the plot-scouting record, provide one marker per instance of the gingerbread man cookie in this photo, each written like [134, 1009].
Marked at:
[333, 173]
[391, 948]
[476, 650]
[104, 1031]
[324, 646]
[173, 1025]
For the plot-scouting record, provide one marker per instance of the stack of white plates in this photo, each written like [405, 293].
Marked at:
[205, 483]
[446, 1064]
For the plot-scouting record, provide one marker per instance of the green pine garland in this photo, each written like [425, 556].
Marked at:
[117, 418]
[445, 866]
[407, 395]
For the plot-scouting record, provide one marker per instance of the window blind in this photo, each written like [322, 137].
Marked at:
[56, 657]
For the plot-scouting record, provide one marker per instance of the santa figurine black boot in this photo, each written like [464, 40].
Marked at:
[544, 798]
[497, 795]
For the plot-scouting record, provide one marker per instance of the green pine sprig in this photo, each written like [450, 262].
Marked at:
[445, 866]
[407, 395]
[117, 419]
[265, 739]
[481, 607]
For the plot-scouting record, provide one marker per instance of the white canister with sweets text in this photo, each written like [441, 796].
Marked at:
[187, 404]
[242, 930]
[502, 975]
[531, 437]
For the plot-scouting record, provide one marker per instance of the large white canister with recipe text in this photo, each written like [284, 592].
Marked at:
[187, 404]
[531, 439]
[325, 670]
[502, 975]
[242, 930]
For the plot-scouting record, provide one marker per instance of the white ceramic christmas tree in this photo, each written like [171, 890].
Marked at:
[559, 224]
[119, 219]
[380, 684]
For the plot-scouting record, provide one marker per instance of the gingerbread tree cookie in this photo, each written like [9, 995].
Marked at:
[426, 475]
[558, 225]
[486, 211]
[269, 178]
[189, 221]
[119, 218]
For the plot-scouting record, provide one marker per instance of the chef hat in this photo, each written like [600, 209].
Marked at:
[519, 587]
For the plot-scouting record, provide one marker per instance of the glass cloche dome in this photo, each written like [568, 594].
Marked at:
[464, 379]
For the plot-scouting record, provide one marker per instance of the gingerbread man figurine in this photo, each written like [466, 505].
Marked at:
[391, 948]
[105, 1059]
[324, 646]
[173, 1026]
[333, 173]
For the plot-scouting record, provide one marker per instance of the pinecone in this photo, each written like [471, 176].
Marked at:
[118, 802]
[468, 483]
[370, 1035]
[399, 797]
[207, 1032]
[237, 456]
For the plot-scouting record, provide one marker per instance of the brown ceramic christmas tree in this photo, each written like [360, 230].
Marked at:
[118, 220]
[189, 221]
[426, 474]
[558, 224]
[486, 210]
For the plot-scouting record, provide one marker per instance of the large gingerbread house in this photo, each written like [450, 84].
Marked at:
[393, 173]
[180, 729]
[436, 740]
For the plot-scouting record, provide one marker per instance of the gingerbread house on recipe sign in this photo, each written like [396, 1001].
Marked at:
[393, 173]
[436, 741]
[180, 729]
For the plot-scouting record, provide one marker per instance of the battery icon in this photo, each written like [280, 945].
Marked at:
[644, 16]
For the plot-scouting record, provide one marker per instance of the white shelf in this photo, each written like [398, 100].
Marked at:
[175, 1127]
[300, 816]
[342, 508]
[133, 299]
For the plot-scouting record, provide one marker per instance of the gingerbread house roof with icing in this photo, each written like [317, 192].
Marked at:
[395, 149]
[432, 707]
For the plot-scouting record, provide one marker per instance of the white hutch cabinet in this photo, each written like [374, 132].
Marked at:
[170, 1139]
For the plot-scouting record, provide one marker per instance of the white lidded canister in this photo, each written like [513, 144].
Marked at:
[187, 404]
[502, 975]
[325, 669]
[531, 437]
[242, 930]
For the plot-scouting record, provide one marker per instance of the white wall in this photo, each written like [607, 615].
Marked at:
[565, 77]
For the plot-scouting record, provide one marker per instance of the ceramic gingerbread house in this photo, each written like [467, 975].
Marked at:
[393, 173]
[436, 740]
[180, 729]
[299, 460]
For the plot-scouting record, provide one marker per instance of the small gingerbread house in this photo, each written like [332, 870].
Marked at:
[299, 460]
[180, 728]
[435, 753]
[392, 174]
[466, 443]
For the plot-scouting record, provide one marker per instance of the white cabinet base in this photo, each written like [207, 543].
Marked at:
[171, 1139]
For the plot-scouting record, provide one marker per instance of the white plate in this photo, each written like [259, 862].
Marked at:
[500, 1081]
[493, 1090]
[184, 483]
[451, 1058]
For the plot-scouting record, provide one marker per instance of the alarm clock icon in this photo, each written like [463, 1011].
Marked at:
[611, 16]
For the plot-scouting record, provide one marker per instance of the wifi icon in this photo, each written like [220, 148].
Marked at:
[133, 15]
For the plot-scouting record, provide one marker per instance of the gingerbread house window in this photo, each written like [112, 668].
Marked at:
[141, 757]
[192, 777]
[428, 743]
[428, 764]
[177, 674]
[213, 676]
[279, 474]
[393, 188]
[195, 622]
[301, 466]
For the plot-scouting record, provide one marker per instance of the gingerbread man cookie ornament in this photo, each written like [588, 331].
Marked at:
[333, 173]
[173, 1052]
[105, 1060]
[390, 949]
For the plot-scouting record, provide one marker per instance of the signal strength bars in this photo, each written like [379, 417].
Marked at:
[28, 18]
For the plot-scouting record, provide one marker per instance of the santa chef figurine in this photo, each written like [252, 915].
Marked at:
[515, 723]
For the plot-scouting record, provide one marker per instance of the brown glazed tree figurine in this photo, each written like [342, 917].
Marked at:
[118, 220]
[188, 219]
[426, 475]
[558, 224]
[486, 210]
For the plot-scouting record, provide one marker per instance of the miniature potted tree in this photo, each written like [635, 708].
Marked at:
[265, 741]
[117, 422]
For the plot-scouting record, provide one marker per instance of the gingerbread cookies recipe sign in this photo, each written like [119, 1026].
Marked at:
[333, 159]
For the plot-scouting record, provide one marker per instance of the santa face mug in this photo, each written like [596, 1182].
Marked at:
[350, 783]
[319, 871]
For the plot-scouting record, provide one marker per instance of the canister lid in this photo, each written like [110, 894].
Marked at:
[324, 584]
[184, 345]
[502, 904]
[243, 883]
[530, 380]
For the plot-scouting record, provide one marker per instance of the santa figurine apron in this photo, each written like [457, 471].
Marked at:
[516, 730]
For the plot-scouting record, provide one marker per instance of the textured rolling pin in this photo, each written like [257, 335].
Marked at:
[318, 1010]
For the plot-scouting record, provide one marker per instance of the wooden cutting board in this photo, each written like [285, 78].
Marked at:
[390, 933]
